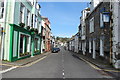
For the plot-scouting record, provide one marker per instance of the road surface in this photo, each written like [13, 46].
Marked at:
[57, 65]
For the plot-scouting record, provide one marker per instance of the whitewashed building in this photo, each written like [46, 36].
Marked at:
[82, 30]
[76, 41]
[115, 24]
[21, 22]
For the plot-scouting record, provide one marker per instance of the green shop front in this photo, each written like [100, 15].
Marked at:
[23, 43]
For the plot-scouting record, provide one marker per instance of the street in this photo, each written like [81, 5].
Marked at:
[57, 65]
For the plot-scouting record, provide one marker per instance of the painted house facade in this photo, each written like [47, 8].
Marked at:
[76, 43]
[115, 26]
[52, 41]
[21, 22]
[46, 34]
[43, 36]
[82, 30]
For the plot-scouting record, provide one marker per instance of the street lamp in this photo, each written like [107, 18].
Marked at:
[106, 17]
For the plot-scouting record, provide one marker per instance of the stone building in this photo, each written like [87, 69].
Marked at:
[98, 31]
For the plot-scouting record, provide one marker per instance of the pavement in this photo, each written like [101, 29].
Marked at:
[7, 65]
[100, 64]
[61, 65]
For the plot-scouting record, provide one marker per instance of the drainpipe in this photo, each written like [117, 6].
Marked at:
[110, 36]
[2, 43]
[3, 32]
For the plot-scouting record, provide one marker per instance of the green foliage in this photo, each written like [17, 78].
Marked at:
[32, 29]
[62, 39]
[28, 27]
[22, 24]
[36, 31]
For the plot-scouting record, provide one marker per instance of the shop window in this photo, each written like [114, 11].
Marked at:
[27, 44]
[1, 9]
[21, 43]
[36, 44]
[24, 45]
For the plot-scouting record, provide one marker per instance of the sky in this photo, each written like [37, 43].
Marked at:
[64, 16]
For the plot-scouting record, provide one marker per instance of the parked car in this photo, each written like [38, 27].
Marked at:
[55, 50]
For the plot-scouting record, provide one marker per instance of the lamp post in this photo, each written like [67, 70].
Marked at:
[1, 43]
[106, 19]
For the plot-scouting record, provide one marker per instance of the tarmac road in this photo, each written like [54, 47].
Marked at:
[57, 65]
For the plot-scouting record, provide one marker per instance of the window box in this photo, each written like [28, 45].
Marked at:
[28, 27]
[24, 54]
[22, 25]
[32, 29]
[36, 31]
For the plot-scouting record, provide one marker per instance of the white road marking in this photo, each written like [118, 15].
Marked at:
[8, 69]
[63, 74]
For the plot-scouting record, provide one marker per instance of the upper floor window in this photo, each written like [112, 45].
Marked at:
[28, 18]
[91, 25]
[22, 12]
[35, 21]
[32, 21]
[1, 9]
[101, 20]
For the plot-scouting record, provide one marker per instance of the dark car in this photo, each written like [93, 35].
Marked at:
[55, 50]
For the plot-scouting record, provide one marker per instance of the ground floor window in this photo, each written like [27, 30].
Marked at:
[90, 44]
[37, 45]
[24, 48]
[101, 47]
[21, 43]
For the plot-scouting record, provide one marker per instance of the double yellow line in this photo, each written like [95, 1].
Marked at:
[27, 65]
[97, 68]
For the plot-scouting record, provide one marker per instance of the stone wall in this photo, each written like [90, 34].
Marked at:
[98, 31]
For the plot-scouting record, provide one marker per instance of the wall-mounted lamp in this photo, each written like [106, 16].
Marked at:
[106, 17]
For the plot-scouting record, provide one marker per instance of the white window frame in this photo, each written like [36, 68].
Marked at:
[101, 20]
[91, 25]
[35, 21]
[28, 19]
[22, 17]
